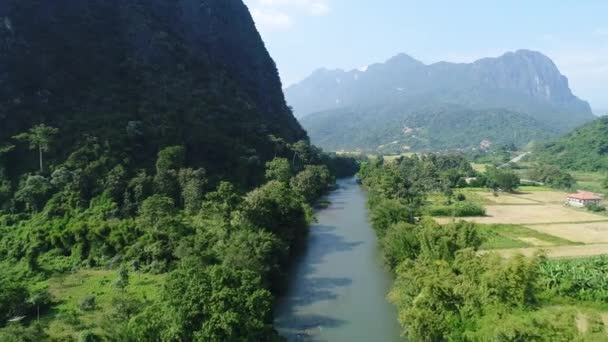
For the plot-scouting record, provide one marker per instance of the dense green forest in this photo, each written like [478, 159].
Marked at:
[154, 185]
[446, 290]
[224, 249]
[584, 149]
[395, 128]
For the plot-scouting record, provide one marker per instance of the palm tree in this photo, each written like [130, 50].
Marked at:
[40, 137]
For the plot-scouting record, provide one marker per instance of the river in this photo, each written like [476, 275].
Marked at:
[338, 287]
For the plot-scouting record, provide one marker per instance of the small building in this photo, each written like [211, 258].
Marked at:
[583, 199]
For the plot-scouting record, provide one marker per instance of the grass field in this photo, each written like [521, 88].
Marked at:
[490, 198]
[501, 236]
[590, 181]
[479, 167]
[67, 320]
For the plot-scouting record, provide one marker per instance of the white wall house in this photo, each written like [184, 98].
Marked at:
[583, 199]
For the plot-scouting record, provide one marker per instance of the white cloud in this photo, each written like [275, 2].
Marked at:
[278, 15]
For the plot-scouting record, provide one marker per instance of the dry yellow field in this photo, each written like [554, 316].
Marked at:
[528, 197]
[544, 196]
[532, 214]
[556, 251]
[544, 212]
[507, 199]
[594, 232]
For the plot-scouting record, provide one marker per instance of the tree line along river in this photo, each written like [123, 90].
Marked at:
[338, 286]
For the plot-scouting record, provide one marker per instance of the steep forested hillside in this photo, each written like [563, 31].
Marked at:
[143, 74]
[525, 86]
[585, 148]
[153, 183]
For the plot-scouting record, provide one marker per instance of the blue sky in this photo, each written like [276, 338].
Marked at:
[303, 35]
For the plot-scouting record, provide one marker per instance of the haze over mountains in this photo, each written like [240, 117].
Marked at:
[403, 104]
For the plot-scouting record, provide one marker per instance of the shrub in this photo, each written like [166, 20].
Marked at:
[596, 208]
[88, 336]
[13, 295]
[389, 212]
[464, 209]
[400, 243]
[458, 209]
[504, 180]
[552, 176]
[88, 303]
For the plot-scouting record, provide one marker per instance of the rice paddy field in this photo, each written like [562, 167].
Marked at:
[536, 219]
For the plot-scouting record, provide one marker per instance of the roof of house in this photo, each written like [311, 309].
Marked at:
[585, 196]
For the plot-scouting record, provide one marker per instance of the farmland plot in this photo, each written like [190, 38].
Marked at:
[533, 214]
[577, 232]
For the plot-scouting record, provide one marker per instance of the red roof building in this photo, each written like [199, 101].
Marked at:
[583, 199]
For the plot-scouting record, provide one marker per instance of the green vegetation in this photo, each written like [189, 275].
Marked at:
[458, 209]
[434, 127]
[577, 279]
[591, 181]
[499, 236]
[501, 179]
[170, 185]
[584, 149]
[40, 138]
[496, 156]
[552, 176]
[70, 291]
[446, 290]
[88, 245]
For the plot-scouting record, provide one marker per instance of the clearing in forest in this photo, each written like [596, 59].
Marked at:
[98, 286]
[531, 221]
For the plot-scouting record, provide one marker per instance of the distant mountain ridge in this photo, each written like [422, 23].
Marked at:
[524, 82]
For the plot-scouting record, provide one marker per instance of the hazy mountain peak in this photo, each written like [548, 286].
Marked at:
[403, 59]
[408, 105]
[523, 80]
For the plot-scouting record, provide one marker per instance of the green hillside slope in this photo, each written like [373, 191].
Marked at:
[585, 148]
[399, 129]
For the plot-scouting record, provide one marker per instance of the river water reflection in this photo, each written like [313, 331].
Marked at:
[338, 287]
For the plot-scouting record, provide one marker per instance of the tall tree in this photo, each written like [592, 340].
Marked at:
[40, 137]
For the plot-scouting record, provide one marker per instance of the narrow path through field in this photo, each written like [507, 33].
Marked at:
[557, 251]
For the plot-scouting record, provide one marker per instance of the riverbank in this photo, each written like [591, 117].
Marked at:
[338, 287]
